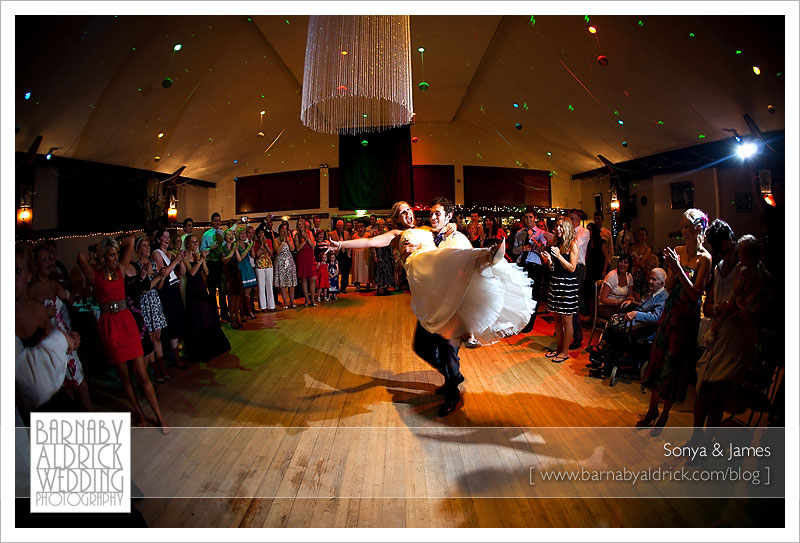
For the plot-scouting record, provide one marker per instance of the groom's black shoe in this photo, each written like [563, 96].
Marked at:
[447, 386]
[451, 402]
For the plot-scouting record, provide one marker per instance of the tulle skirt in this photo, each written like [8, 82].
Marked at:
[455, 293]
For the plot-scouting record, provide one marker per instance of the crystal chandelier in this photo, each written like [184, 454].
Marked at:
[357, 75]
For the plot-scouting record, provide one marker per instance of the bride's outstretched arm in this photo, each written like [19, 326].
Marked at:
[378, 241]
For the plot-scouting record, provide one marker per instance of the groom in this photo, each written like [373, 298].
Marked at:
[437, 351]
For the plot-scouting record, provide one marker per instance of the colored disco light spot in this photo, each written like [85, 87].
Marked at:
[660, 122]
[691, 34]
[27, 96]
[479, 155]
[364, 143]
[525, 106]
[483, 109]
[364, 115]
[415, 139]
[260, 134]
[249, 19]
[160, 135]
[701, 137]
[620, 121]
[756, 70]
[235, 161]
[592, 30]
[641, 23]
[624, 143]
[586, 18]
[616, 112]
[177, 47]
[423, 86]
[779, 74]
[516, 105]
[167, 83]
[211, 140]
[518, 126]
[287, 21]
[738, 51]
[344, 53]
[533, 20]
[571, 108]
[549, 153]
[421, 49]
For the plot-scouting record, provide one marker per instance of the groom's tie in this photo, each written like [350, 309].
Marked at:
[438, 239]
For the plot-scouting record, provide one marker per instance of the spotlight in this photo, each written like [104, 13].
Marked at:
[746, 150]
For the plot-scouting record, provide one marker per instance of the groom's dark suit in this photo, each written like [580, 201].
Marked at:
[439, 352]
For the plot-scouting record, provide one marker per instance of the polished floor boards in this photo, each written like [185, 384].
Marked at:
[324, 417]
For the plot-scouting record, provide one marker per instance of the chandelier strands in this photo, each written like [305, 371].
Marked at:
[357, 75]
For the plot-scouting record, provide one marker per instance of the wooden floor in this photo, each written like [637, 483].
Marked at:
[324, 417]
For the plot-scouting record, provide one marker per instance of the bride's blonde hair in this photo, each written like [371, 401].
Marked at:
[394, 214]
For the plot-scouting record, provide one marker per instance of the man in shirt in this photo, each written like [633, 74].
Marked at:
[529, 242]
[624, 240]
[188, 226]
[212, 242]
[582, 239]
[605, 233]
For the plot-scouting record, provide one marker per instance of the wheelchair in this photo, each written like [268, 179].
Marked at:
[622, 351]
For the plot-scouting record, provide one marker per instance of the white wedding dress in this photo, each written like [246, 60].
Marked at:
[456, 291]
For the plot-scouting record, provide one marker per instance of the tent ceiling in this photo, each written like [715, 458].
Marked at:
[96, 89]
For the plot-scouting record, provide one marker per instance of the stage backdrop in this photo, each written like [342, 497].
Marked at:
[432, 181]
[375, 169]
[484, 185]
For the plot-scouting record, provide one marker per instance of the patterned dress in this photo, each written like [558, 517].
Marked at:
[563, 296]
[149, 302]
[135, 286]
[333, 277]
[285, 273]
[672, 360]
[384, 269]
[74, 375]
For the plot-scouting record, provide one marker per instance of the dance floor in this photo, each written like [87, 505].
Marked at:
[324, 417]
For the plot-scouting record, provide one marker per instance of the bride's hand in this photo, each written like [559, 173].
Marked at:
[450, 229]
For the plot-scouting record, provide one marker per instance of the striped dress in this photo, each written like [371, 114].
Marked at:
[563, 296]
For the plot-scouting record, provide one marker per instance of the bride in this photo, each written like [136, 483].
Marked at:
[455, 291]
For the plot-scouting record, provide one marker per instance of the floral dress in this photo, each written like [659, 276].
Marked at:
[284, 271]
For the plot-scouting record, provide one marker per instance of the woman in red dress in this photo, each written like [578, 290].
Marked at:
[117, 328]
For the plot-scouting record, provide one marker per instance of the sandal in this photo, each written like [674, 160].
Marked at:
[551, 353]
[560, 359]
[648, 419]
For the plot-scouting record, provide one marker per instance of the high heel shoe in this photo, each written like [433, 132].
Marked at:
[648, 419]
[655, 431]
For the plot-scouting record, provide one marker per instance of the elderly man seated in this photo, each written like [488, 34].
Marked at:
[639, 323]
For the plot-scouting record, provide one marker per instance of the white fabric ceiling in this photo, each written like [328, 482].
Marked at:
[96, 89]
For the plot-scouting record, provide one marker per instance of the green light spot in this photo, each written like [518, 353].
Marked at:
[616, 112]
[780, 74]
[586, 18]
[262, 96]
[571, 108]
[364, 143]
[133, 49]
[421, 49]
[738, 51]
[533, 20]
[691, 34]
[555, 172]
[549, 153]
[177, 47]
[701, 136]
[518, 163]
[660, 122]
[249, 20]
[139, 90]
[364, 115]
[211, 139]
[525, 106]
[287, 21]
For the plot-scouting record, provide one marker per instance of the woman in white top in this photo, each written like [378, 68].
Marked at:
[617, 288]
